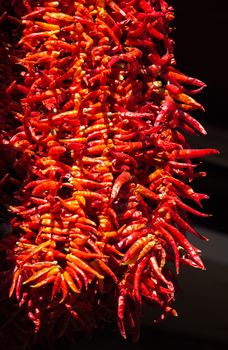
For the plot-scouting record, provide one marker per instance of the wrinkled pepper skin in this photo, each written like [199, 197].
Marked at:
[102, 169]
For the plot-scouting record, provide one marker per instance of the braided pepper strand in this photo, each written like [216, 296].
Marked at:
[100, 214]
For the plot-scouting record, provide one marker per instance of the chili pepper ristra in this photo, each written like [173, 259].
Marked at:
[99, 211]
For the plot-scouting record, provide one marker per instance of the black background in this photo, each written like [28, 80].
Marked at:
[201, 49]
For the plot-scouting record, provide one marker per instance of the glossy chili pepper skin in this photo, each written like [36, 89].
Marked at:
[102, 170]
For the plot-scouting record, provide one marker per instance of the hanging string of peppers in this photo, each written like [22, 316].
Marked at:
[101, 168]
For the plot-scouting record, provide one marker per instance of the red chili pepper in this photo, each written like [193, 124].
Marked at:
[193, 153]
[137, 278]
[121, 310]
[184, 242]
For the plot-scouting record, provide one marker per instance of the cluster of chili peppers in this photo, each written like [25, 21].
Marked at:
[99, 168]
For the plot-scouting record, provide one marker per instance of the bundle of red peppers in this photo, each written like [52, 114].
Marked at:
[95, 167]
